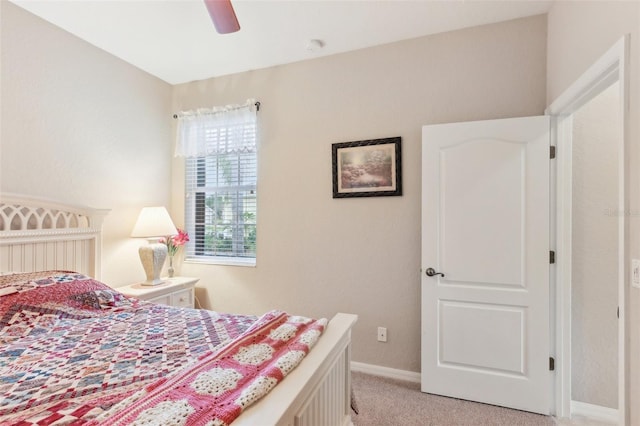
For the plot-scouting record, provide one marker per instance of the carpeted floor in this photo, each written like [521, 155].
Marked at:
[388, 402]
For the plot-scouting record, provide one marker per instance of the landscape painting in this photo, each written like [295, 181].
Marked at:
[367, 168]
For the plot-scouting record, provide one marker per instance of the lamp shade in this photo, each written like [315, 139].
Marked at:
[154, 222]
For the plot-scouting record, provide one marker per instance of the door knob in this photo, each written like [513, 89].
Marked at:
[432, 272]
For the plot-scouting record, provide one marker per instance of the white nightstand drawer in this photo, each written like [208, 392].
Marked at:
[182, 298]
[165, 300]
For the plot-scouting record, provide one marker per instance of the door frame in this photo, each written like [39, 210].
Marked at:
[609, 68]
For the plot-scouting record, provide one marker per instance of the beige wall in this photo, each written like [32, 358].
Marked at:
[594, 286]
[318, 256]
[578, 34]
[83, 127]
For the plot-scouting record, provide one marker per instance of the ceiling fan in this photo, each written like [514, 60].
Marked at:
[223, 16]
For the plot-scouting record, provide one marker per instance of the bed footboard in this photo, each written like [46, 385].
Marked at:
[317, 392]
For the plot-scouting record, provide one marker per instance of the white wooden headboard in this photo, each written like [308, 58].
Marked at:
[38, 235]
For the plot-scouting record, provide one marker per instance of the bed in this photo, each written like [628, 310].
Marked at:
[75, 351]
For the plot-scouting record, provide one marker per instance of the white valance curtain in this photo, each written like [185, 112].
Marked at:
[218, 130]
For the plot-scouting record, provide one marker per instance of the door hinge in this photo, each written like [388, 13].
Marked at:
[552, 152]
[552, 364]
[552, 257]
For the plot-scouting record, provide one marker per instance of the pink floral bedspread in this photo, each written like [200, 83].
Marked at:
[72, 351]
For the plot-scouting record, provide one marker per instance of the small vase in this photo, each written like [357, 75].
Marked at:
[171, 270]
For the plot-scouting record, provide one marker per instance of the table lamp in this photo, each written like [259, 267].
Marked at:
[153, 223]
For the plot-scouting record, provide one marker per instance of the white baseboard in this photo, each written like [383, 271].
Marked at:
[391, 373]
[594, 412]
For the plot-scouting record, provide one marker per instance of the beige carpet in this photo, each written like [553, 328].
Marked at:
[388, 402]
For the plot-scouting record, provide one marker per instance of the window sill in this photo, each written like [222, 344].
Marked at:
[225, 261]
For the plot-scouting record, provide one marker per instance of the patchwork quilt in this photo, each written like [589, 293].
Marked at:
[74, 351]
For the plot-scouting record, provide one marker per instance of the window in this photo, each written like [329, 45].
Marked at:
[220, 186]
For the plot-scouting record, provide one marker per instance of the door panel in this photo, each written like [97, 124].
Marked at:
[471, 186]
[485, 225]
[469, 339]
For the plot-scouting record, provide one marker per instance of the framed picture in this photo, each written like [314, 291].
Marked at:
[369, 168]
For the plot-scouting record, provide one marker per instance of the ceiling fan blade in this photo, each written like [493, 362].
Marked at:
[222, 15]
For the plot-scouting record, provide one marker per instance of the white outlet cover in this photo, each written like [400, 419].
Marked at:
[382, 334]
[635, 273]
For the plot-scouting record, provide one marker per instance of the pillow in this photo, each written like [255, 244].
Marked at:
[47, 284]
[110, 299]
[101, 299]
[25, 280]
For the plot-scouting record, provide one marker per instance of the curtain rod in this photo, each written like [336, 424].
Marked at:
[257, 105]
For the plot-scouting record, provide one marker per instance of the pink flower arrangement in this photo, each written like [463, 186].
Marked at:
[174, 242]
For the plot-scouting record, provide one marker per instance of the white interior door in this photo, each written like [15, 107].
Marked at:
[485, 226]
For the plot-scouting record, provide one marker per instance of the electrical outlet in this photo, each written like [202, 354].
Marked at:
[382, 334]
[635, 273]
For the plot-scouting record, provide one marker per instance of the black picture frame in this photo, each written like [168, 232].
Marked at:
[368, 168]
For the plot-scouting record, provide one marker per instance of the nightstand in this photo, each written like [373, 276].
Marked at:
[176, 291]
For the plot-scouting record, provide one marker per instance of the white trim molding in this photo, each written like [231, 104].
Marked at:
[611, 67]
[595, 412]
[390, 373]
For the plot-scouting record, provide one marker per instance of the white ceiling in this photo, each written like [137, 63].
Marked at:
[176, 41]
